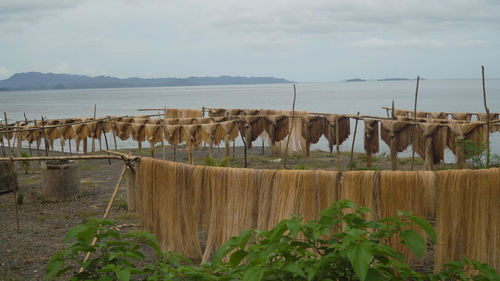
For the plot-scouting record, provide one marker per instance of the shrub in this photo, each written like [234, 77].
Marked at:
[340, 245]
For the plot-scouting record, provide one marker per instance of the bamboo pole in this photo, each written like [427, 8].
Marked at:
[163, 135]
[26, 122]
[12, 172]
[291, 126]
[337, 140]
[415, 119]
[45, 138]
[487, 121]
[108, 209]
[73, 157]
[244, 150]
[105, 139]
[353, 140]
[37, 145]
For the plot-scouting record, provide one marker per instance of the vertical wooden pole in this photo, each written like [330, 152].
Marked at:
[415, 119]
[291, 126]
[337, 140]
[3, 144]
[26, 124]
[12, 171]
[244, 150]
[163, 135]
[353, 140]
[45, 138]
[392, 111]
[131, 199]
[105, 139]
[37, 145]
[487, 122]
[93, 133]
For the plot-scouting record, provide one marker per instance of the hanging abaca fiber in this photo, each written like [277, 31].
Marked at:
[344, 129]
[362, 188]
[313, 127]
[153, 134]
[204, 120]
[438, 115]
[460, 132]
[186, 121]
[235, 111]
[493, 116]
[122, 130]
[208, 205]
[251, 111]
[430, 143]
[212, 134]
[407, 191]
[401, 112]
[277, 129]
[217, 112]
[173, 134]
[251, 127]
[371, 140]
[420, 114]
[463, 116]
[81, 134]
[467, 220]
[52, 133]
[65, 132]
[398, 134]
[183, 113]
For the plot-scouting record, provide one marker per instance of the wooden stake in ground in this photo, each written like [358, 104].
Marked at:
[163, 134]
[337, 140]
[12, 172]
[392, 111]
[108, 209]
[291, 126]
[93, 134]
[414, 119]
[487, 121]
[353, 140]
[244, 150]
[26, 124]
[45, 138]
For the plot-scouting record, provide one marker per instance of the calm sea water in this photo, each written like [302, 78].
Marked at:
[342, 97]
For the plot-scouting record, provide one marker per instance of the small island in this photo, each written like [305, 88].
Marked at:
[355, 80]
[394, 79]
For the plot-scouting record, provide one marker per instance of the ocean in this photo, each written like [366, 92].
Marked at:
[340, 97]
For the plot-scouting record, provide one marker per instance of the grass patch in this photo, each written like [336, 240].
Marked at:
[87, 215]
[126, 216]
[88, 167]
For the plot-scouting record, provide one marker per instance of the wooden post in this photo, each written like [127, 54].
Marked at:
[93, 134]
[163, 135]
[26, 124]
[12, 171]
[45, 138]
[291, 126]
[263, 149]
[114, 138]
[37, 145]
[244, 150]
[415, 119]
[226, 140]
[211, 147]
[487, 122]
[105, 139]
[337, 140]
[429, 161]
[392, 111]
[353, 140]
[3, 145]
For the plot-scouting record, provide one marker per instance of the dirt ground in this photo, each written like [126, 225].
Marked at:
[43, 224]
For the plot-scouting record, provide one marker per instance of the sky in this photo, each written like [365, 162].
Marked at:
[304, 41]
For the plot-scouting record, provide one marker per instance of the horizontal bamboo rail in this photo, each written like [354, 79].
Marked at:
[73, 157]
[473, 113]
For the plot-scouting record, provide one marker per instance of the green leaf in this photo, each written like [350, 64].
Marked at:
[123, 275]
[360, 256]
[426, 226]
[293, 268]
[253, 274]
[294, 227]
[76, 230]
[414, 241]
[237, 257]
[54, 264]
[383, 250]
[374, 275]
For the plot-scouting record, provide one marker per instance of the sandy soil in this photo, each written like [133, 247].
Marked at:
[43, 224]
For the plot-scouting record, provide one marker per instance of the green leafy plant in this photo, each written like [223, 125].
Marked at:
[476, 154]
[208, 161]
[340, 245]
[25, 164]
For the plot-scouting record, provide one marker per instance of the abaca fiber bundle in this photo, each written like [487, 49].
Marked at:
[331, 130]
[371, 143]
[183, 113]
[467, 220]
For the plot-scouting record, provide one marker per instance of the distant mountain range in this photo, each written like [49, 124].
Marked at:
[51, 81]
